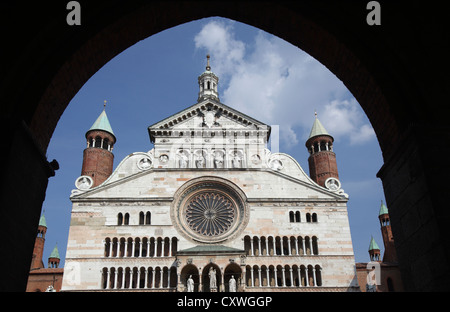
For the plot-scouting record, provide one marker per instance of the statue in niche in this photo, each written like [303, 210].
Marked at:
[218, 160]
[200, 161]
[183, 162]
[212, 278]
[190, 284]
[236, 162]
[232, 284]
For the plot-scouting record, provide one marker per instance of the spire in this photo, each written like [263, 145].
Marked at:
[42, 221]
[208, 68]
[373, 245]
[102, 122]
[55, 252]
[317, 128]
[383, 209]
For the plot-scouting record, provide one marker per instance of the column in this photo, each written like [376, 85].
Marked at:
[140, 248]
[267, 246]
[161, 278]
[148, 247]
[118, 249]
[259, 276]
[275, 276]
[155, 243]
[283, 277]
[292, 276]
[132, 248]
[170, 247]
[126, 249]
[168, 277]
[259, 246]
[138, 282]
[251, 247]
[296, 246]
[306, 276]
[289, 246]
[299, 276]
[108, 279]
[268, 277]
[303, 244]
[162, 247]
[116, 275]
[314, 276]
[145, 278]
[110, 248]
[282, 245]
[122, 284]
[153, 278]
[253, 282]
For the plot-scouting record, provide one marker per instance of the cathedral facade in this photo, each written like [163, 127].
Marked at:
[208, 209]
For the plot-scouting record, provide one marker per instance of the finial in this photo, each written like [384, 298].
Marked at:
[104, 104]
[207, 62]
[315, 114]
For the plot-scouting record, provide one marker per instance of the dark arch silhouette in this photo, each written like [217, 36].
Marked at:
[395, 71]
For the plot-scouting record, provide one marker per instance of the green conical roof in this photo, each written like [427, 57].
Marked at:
[55, 253]
[102, 123]
[42, 221]
[383, 209]
[317, 129]
[373, 245]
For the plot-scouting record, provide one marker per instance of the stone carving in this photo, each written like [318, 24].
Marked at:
[276, 164]
[163, 158]
[232, 284]
[145, 163]
[190, 284]
[236, 161]
[83, 183]
[218, 159]
[212, 278]
[183, 160]
[256, 159]
[333, 184]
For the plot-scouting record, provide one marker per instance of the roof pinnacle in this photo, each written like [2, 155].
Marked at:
[207, 62]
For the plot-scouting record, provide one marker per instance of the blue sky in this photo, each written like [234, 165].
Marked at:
[259, 75]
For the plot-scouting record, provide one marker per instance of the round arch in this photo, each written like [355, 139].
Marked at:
[211, 268]
[45, 67]
[187, 271]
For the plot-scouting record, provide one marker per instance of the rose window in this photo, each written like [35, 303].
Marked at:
[210, 214]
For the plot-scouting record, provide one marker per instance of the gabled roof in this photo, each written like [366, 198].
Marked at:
[198, 108]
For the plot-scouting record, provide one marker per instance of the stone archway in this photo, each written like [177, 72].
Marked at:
[47, 62]
[233, 270]
[189, 270]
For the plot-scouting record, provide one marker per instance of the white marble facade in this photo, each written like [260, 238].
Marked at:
[209, 196]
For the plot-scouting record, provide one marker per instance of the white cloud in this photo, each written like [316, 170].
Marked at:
[279, 84]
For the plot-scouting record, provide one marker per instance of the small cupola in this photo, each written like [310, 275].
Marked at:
[208, 83]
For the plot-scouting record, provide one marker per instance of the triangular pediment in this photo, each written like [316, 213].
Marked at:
[207, 115]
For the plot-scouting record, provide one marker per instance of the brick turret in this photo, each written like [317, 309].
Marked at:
[390, 255]
[98, 158]
[322, 159]
[38, 251]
